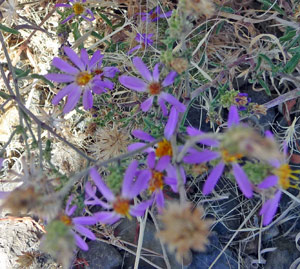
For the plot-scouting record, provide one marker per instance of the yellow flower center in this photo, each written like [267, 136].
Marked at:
[66, 220]
[284, 173]
[154, 88]
[164, 148]
[230, 158]
[153, 15]
[83, 78]
[121, 206]
[156, 181]
[78, 8]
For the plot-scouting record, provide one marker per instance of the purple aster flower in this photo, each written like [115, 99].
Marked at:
[155, 14]
[78, 225]
[226, 158]
[162, 172]
[164, 147]
[144, 40]
[78, 10]
[153, 86]
[120, 204]
[280, 179]
[242, 101]
[80, 78]
[101, 81]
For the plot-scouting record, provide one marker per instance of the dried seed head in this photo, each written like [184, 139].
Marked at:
[179, 65]
[184, 229]
[200, 7]
[109, 142]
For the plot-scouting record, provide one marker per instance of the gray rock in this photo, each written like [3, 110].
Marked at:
[283, 256]
[205, 259]
[127, 231]
[18, 236]
[101, 256]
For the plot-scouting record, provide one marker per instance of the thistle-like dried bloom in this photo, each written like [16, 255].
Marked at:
[109, 143]
[184, 229]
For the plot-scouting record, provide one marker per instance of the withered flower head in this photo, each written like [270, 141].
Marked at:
[184, 229]
[109, 142]
[200, 7]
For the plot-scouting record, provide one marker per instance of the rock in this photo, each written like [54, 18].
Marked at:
[284, 255]
[101, 256]
[128, 231]
[205, 259]
[21, 237]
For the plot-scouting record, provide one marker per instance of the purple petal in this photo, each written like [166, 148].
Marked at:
[107, 217]
[84, 57]
[242, 180]
[146, 105]
[80, 242]
[73, 99]
[128, 178]
[74, 58]
[171, 124]
[89, 191]
[162, 163]
[139, 210]
[163, 107]
[142, 68]
[151, 160]
[61, 78]
[201, 157]
[97, 56]
[134, 49]
[133, 83]
[69, 211]
[84, 231]
[213, 178]
[141, 184]
[63, 5]
[233, 117]
[101, 185]
[166, 15]
[89, 220]
[207, 141]
[135, 146]
[1, 162]
[142, 135]
[87, 99]
[89, 12]
[160, 200]
[68, 18]
[269, 209]
[173, 101]
[268, 182]
[156, 72]
[110, 72]
[64, 66]
[169, 79]
[62, 93]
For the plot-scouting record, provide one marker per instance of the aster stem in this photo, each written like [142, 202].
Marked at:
[142, 222]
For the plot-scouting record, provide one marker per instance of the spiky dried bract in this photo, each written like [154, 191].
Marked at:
[184, 229]
[109, 143]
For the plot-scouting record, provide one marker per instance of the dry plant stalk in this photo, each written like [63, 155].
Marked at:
[184, 229]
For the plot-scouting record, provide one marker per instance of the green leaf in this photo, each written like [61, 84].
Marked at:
[9, 30]
[288, 36]
[21, 73]
[43, 79]
[4, 95]
[265, 85]
[106, 19]
[292, 64]
[276, 7]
